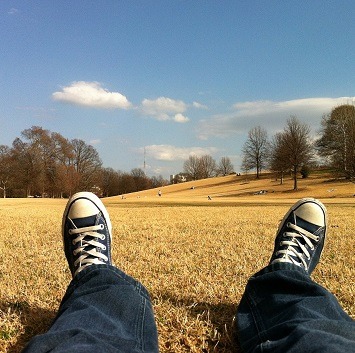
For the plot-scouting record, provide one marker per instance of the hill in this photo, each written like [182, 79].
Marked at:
[236, 189]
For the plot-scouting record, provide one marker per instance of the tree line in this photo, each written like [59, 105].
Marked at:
[44, 163]
[290, 151]
[293, 150]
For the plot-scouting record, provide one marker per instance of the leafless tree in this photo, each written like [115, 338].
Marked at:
[338, 139]
[278, 160]
[225, 166]
[191, 167]
[5, 169]
[87, 165]
[255, 150]
[207, 166]
[296, 146]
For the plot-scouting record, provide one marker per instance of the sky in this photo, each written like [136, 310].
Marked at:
[149, 83]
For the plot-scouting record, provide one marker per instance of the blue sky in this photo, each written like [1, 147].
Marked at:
[172, 77]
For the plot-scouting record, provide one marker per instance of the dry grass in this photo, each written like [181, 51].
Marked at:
[195, 261]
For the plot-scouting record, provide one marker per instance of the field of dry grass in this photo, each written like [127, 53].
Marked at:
[194, 256]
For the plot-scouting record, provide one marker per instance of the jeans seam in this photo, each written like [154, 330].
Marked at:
[140, 327]
[258, 322]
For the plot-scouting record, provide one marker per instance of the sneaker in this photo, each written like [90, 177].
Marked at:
[301, 234]
[86, 231]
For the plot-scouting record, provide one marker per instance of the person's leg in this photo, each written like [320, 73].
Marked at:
[283, 309]
[103, 310]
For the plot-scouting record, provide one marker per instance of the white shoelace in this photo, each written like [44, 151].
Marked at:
[291, 254]
[88, 247]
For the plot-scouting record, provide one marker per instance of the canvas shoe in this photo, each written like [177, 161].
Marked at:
[86, 229]
[301, 235]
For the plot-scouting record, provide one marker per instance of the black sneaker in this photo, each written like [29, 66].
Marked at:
[301, 234]
[86, 231]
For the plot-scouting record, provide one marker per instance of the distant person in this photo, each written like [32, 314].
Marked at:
[282, 309]
[159, 193]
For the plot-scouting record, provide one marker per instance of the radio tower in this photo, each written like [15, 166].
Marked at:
[144, 162]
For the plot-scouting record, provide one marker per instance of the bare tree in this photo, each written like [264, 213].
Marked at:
[5, 170]
[278, 160]
[225, 166]
[296, 145]
[191, 167]
[255, 150]
[207, 166]
[338, 139]
[27, 166]
[87, 165]
[140, 179]
[110, 182]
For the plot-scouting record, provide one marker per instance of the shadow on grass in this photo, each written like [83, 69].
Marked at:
[28, 321]
[219, 317]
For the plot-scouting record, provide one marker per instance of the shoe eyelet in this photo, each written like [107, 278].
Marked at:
[104, 248]
[70, 232]
[73, 242]
[102, 226]
[103, 237]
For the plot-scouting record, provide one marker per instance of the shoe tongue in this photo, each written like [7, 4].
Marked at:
[85, 221]
[306, 225]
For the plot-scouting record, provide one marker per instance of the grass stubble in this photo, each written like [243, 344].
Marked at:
[195, 262]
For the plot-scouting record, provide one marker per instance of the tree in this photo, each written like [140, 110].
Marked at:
[200, 167]
[255, 150]
[157, 181]
[207, 166]
[337, 141]
[192, 167]
[64, 168]
[296, 145]
[225, 166]
[87, 166]
[5, 170]
[110, 182]
[140, 179]
[278, 160]
[26, 166]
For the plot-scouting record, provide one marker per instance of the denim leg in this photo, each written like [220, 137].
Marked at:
[283, 310]
[103, 310]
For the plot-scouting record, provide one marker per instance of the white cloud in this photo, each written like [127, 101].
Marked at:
[95, 142]
[173, 153]
[164, 108]
[179, 118]
[268, 114]
[12, 11]
[91, 94]
[199, 105]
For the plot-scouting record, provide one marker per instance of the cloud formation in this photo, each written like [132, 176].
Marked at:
[199, 105]
[91, 94]
[164, 108]
[269, 114]
[173, 153]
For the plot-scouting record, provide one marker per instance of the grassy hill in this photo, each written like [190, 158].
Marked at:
[236, 189]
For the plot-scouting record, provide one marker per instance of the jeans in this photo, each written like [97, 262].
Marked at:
[103, 310]
[283, 310]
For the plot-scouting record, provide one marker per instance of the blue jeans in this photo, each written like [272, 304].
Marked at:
[283, 310]
[103, 310]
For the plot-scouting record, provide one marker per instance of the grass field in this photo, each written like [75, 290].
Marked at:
[194, 255]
